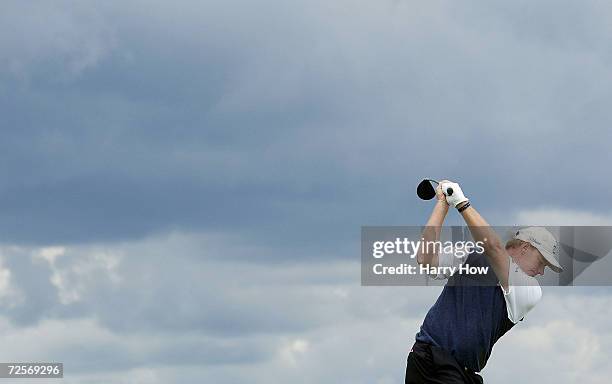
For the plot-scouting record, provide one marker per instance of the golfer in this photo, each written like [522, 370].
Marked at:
[460, 329]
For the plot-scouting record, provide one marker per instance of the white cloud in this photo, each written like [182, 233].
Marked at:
[362, 334]
[10, 296]
[49, 254]
[72, 279]
[565, 339]
[169, 296]
[292, 352]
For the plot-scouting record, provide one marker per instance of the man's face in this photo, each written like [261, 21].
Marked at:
[532, 262]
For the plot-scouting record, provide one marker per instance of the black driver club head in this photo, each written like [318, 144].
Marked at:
[425, 190]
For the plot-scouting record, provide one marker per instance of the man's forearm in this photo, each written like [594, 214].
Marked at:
[492, 244]
[481, 230]
[432, 231]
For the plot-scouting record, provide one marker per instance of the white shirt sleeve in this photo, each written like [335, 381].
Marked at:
[447, 259]
[523, 293]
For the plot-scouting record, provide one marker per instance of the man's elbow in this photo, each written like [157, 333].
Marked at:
[420, 258]
[424, 258]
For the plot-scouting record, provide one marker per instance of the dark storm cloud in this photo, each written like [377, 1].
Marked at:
[290, 122]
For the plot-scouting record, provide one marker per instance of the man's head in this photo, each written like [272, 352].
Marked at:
[533, 249]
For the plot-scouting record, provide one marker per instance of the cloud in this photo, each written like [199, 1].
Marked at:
[51, 42]
[166, 310]
[269, 121]
[161, 302]
[569, 345]
[177, 283]
[9, 294]
[72, 280]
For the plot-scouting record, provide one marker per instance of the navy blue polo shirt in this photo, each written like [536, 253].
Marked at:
[468, 318]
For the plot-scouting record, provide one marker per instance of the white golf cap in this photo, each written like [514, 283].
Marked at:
[545, 242]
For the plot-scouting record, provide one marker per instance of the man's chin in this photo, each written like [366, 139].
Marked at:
[529, 272]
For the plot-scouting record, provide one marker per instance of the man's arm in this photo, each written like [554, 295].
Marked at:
[481, 232]
[433, 229]
[492, 244]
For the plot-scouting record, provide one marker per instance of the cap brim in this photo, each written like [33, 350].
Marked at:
[554, 264]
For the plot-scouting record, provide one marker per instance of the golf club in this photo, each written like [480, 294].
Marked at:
[426, 191]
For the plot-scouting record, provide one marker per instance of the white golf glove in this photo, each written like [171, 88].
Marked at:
[457, 197]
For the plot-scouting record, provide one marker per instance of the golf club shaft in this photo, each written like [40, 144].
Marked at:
[449, 191]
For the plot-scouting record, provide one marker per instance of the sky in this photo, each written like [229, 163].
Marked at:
[183, 184]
